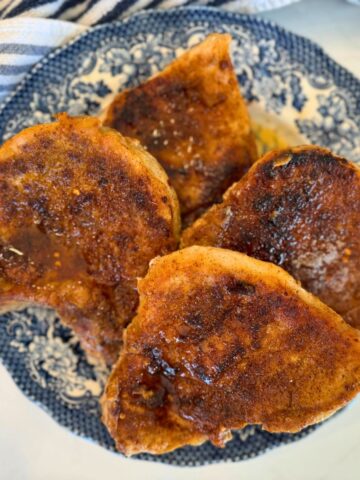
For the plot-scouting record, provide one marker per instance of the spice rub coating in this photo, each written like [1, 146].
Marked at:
[222, 340]
[193, 119]
[300, 209]
[82, 212]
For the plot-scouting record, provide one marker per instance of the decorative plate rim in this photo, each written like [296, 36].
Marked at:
[158, 12]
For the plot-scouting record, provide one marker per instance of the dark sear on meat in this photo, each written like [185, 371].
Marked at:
[82, 212]
[300, 209]
[222, 340]
[193, 119]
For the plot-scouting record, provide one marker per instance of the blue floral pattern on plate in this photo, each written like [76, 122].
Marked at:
[281, 75]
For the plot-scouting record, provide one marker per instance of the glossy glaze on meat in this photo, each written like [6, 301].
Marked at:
[82, 212]
[300, 209]
[222, 340]
[192, 118]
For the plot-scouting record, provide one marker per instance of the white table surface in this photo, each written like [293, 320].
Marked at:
[34, 447]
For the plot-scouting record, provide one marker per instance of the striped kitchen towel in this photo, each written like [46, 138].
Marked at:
[29, 29]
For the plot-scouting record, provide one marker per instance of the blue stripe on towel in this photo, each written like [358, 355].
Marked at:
[117, 11]
[154, 3]
[6, 88]
[65, 6]
[22, 49]
[27, 5]
[216, 3]
[90, 5]
[14, 69]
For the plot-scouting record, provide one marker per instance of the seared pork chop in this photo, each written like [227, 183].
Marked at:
[222, 340]
[298, 208]
[82, 212]
[193, 119]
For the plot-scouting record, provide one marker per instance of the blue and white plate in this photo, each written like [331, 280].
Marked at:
[292, 87]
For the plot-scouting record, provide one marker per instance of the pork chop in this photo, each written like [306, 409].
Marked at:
[82, 212]
[193, 119]
[222, 340]
[298, 208]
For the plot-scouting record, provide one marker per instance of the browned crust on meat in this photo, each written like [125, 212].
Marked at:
[298, 208]
[193, 119]
[82, 212]
[222, 340]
